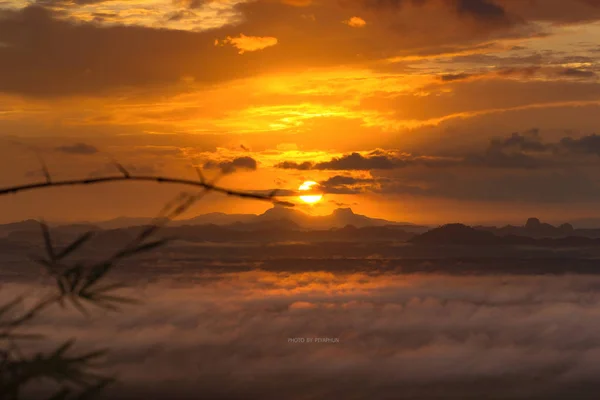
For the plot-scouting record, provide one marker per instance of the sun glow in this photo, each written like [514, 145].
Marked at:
[310, 199]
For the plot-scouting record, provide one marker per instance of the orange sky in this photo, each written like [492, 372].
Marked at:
[423, 111]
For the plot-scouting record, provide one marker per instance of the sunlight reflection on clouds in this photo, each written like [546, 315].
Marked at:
[393, 332]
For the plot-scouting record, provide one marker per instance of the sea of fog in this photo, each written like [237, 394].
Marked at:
[323, 335]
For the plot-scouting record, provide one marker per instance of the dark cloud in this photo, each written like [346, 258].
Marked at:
[538, 186]
[494, 158]
[526, 150]
[339, 204]
[456, 77]
[519, 71]
[47, 55]
[505, 72]
[519, 150]
[340, 184]
[519, 167]
[351, 162]
[359, 162]
[585, 145]
[578, 73]
[487, 9]
[343, 180]
[553, 10]
[228, 167]
[69, 2]
[530, 141]
[304, 166]
[78, 148]
[482, 8]
[180, 15]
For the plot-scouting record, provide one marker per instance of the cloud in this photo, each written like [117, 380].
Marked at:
[359, 162]
[239, 163]
[432, 336]
[519, 150]
[484, 9]
[355, 22]
[487, 9]
[78, 148]
[120, 57]
[530, 141]
[503, 72]
[589, 144]
[304, 166]
[298, 3]
[376, 159]
[185, 15]
[521, 167]
[525, 150]
[123, 54]
[578, 73]
[456, 77]
[249, 43]
[340, 184]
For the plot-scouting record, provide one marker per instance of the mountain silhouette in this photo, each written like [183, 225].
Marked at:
[538, 229]
[285, 215]
[339, 218]
[456, 234]
[459, 234]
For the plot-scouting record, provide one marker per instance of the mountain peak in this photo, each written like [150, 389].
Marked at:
[343, 212]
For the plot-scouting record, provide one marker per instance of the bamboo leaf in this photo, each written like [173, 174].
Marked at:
[122, 169]
[200, 174]
[75, 245]
[47, 241]
[11, 304]
[44, 167]
[79, 306]
[63, 348]
[61, 394]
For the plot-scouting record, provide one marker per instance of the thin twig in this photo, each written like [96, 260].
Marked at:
[157, 179]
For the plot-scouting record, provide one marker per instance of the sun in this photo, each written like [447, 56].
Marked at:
[313, 198]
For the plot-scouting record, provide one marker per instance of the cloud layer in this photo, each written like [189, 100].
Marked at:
[420, 335]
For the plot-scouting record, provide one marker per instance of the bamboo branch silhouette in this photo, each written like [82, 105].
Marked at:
[127, 176]
[78, 282]
[141, 178]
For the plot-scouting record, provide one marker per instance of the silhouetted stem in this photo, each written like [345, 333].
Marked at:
[157, 179]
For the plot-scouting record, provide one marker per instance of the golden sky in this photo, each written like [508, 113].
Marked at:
[413, 110]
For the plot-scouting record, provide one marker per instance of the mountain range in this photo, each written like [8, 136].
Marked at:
[463, 235]
[291, 217]
[280, 224]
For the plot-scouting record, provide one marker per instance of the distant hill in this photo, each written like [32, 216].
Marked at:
[216, 218]
[536, 229]
[275, 225]
[283, 223]
[277, 231]
[29, 224]
[459, 234]
[123, 222]
[456, 234]
[586, 223]
[340, 218]
[278, 214]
